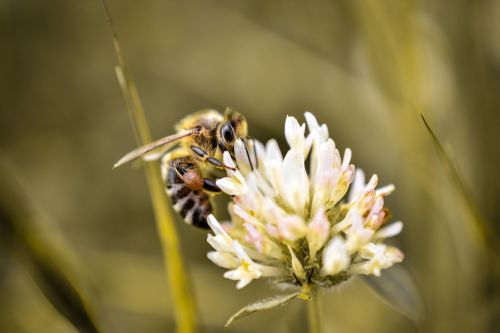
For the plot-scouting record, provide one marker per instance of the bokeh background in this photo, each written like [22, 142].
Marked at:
[364, 67]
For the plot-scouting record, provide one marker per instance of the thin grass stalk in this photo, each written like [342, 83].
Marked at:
[314, 312]
[484, 234]
[177, 279]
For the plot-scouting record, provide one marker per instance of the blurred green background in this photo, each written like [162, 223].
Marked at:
[363, 67]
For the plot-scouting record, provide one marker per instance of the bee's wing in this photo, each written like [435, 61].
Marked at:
[136, 153]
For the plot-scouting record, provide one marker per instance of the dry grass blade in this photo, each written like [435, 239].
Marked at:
[24, 234]
[484, 232]
[176, 274]
[265, 304]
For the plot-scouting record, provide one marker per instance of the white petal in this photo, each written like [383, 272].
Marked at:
[215, 225]
[336, 257]
[243, 283]
[242, 156]
[295, 183]
[220, 242]
[223, 259]
[385, 190]
[294, 134]
[371, 184]
[327, 175]
[357, 185]
[292, 227]
[318, 232]
[389, 231]
[245, 216]
[313, 125]
[357, 235]
[347, 159]
[231, 186]
[273, 151]
[227, 159]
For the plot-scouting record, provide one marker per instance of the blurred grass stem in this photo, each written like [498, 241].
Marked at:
[184, 309]
[483, 232]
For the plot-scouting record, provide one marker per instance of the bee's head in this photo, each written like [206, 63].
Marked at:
[233, 127]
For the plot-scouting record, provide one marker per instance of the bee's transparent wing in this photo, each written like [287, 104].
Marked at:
[164, 143]
[397, 287]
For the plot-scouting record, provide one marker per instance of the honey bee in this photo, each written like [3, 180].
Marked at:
[190, 158]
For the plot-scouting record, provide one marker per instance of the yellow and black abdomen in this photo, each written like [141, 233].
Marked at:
[193, 205]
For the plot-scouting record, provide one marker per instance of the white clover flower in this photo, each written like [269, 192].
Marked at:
[303, 225]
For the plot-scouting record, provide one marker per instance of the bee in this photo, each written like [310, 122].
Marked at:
[191, 157]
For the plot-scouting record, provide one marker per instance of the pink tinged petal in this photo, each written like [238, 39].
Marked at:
[342, 185]
[376, 208]
[389, 231]
[254, 237]
[394, 255]
[245, 216]
[336, 257]
[292, 228]
[318, 232]
[379, 257]
[375, 221]
[326, 175]
[365, 202]
[295, 183]
[223, 259]
[273, 230]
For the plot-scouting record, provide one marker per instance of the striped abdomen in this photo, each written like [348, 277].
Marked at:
[193, 205]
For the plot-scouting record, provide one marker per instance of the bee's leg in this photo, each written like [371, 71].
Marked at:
[186, 188]
[212, 160]
[210, 185]
[187, 170]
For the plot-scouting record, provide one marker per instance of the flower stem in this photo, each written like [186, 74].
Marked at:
[314, 312]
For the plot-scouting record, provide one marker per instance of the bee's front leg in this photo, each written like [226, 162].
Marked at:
[210, 159]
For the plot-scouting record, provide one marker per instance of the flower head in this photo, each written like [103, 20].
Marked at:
[304, 219]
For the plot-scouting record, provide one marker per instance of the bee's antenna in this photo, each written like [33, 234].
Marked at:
[248, 154]
[255, 153]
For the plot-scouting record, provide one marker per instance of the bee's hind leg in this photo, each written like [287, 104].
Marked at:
[191, 176]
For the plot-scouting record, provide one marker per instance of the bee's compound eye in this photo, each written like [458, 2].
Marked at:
[227, 132]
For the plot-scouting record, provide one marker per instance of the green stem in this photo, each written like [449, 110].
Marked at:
[184, 310]
[314, 312]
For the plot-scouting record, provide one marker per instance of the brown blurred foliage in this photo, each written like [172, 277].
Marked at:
[365, 68]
